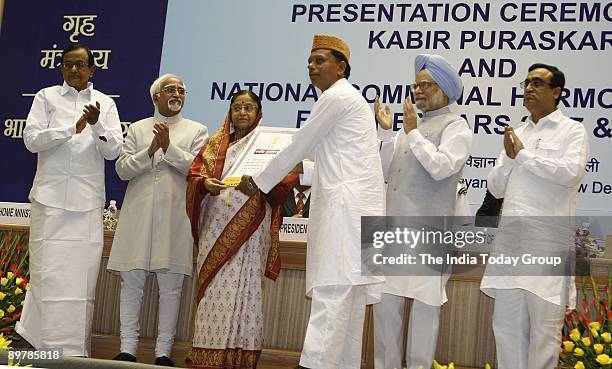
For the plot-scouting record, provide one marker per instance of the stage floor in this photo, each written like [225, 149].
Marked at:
[106, 347]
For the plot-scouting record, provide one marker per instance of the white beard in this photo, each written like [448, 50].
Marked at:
[175, 105]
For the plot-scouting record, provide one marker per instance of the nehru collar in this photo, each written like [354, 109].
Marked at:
[170, 120]
[435, 113]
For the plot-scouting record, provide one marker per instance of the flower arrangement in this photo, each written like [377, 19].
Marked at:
[589, 341]
[14, 276]
[109, 222]
[587, 245]
[4, 346]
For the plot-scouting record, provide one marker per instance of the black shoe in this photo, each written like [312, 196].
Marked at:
[164, 361]
[124, 356]
[22, 343]
[301, 367]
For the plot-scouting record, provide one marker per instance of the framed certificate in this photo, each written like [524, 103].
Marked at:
[262, 147]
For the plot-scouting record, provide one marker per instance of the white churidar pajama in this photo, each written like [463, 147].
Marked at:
[132, 285]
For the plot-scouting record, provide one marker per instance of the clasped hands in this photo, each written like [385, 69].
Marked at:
[383, 117]
[90, 115]
[161, 138]
[512, 144]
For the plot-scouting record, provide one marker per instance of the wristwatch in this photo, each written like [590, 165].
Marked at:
[251, 185]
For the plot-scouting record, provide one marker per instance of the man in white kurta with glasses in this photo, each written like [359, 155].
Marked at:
[537, 173]
[154, 234]
[73, 128]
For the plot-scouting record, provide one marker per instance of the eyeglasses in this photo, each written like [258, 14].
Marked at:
[535, 83]
[248, 108]
[423, 85]
[78, 65]
[172, 89]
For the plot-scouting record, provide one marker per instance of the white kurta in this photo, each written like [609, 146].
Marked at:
[542, 181]
[70, 169]
[438, 161]
[347, 183]
[66, 233]
[153, 231]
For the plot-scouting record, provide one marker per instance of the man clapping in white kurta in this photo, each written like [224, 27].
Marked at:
[537, 174]
[427, 163]
[72, 128]
[153, 234]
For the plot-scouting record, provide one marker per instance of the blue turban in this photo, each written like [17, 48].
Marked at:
[442, 73]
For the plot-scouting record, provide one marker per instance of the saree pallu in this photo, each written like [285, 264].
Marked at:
[228, 329]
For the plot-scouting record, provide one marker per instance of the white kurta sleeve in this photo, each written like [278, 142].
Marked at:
[386, 140]
[181, 159]
[37, 135]
[306, 177]
[498, 176]
[132, 163]
[450, 156]
[323, 117]
[567, 170]
[107, 133]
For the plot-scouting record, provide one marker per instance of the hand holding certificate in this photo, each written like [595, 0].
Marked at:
[265, 144]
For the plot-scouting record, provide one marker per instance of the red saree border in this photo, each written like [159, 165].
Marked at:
[237, 231]
[230, 358]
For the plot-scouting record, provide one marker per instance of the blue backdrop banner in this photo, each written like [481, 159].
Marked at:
[126, 39]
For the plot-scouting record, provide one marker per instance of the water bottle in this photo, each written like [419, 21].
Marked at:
[112, 210]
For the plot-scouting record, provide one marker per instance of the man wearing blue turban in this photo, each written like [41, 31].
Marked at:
[427, 163]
